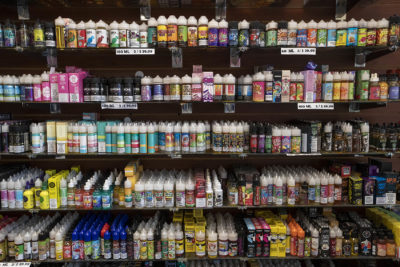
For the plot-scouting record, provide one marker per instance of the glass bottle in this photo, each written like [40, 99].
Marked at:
[38, 34]
[390, 245]
[354, 243]
[23, 36]
[381, 245]
[393, 86]
[338, 140]
[383, 87]
[346, 244]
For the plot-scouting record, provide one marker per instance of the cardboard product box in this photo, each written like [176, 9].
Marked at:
[380, 190]
[277, 88]
[63, 88]
[54, 80]
[355, 190]
[75, 86]
[266, 236]
[368, 190]
[259, 239]
[310, 79]
[285, 85]
[208, 86]
[250, 240]
[391, 183]
[383, 165]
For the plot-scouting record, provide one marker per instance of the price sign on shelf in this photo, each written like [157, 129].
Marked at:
[298, 51]
[134, 51]
[316, 106]
[109, 105]
[15, 264]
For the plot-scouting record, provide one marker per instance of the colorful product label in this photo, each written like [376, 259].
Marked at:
[203, 35]
[192, 36]
[301, 40]
[258, 91]
[182, 33]
[362, 37]
[172, 31]
[352, 36]
[212, 36]
[223, 37]
[162, 33]
[322, 37]
[341, 37]
[311, 37]
[331, 41]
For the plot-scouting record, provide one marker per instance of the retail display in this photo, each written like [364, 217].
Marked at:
[194, 32]
[190, 234]
[242, 186]
[273, 138]
[269, 86]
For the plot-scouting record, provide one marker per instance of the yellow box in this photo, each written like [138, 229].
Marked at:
[189, 237]
[51, 172]
[54, 191]
[131, 168]
[198, 213]
[76, 168]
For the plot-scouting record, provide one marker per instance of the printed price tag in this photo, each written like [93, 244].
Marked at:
[109, 105]
[15, 264]
[321, 106]
[298, 51]
[134, 51]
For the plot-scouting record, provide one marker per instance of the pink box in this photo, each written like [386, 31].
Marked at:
[208, 86]
[310, 78]
[76, 86]
[46, 93]
[54, 79]
[63, 92]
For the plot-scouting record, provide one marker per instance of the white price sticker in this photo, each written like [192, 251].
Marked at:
[298, 51]
[15, 264]
[134, 51]
[109, 105]
[321, 106]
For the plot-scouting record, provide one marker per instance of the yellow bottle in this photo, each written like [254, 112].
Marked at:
[44, 197]
[28, 197]
[116, 192]
[336, 86]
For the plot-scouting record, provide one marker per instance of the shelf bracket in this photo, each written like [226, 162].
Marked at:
[145, 10]
[341, 9]
[55, 108]
[177, 57]
[354, 107]
[235, 55]
[186, 108]
[51, 56]
[23, 10]
[229, 107]
[220, 9]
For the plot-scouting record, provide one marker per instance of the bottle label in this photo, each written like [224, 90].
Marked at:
[311, 37]
[301, 39]
[212, 248]
[192, 36]
[223, 37]
[203, 35]
[102, 37]
[162, 35]
[223, 247]
[172, 31]
[212, 37]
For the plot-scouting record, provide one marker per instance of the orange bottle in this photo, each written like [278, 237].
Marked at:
[293, 239]
[300, 242]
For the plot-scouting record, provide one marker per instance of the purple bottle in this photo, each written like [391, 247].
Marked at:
[213, 33]
[223, 33]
